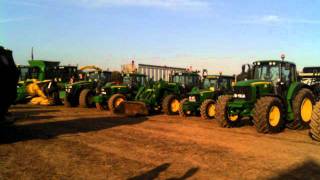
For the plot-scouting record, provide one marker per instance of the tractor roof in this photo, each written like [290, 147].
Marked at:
[219, 76]
[43, 63]
[186, 73]
[272, 61]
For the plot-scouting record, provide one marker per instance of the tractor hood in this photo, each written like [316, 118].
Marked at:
[200, 91]
[253, 82]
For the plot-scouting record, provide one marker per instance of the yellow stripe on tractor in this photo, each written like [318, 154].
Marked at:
[260, 83]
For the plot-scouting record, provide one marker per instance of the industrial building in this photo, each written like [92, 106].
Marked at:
[158, 72]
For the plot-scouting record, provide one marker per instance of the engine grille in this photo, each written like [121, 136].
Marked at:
[243, 90]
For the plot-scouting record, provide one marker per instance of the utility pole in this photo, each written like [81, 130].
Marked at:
[32, 57]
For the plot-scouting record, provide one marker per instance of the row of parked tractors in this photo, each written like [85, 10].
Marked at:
[271, 94]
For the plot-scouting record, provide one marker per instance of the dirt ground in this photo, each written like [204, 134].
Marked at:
[75, 143]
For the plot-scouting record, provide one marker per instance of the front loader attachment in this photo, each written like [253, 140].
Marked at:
[133, 108]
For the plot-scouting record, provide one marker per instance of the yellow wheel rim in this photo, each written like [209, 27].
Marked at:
[211, 110]
[306, 110]
[233, 117]
[274, 116]
[175, 105]
[118, 102]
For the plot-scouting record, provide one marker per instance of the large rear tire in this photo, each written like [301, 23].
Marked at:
[268, 115]
[208, 109]
[171, 104]
[315, 123]
[302, 105]
[85, 99]
[182, 113]
[114, 102]
[225, 120]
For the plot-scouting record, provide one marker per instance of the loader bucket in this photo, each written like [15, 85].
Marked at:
[133, 108]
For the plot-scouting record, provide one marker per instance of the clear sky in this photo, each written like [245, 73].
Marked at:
[217, 35]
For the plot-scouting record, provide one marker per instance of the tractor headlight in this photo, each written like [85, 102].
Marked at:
[243, 96]
[192, 98]
[68, 89]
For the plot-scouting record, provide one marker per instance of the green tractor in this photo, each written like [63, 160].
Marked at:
[161, 95]
[81, 92]
[311, 76]
[112, 94]
[203, 100]
[49, 75]
[272, 97]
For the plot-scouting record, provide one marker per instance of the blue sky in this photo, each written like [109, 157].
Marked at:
[217, 35]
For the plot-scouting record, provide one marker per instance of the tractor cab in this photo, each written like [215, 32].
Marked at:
[95, 76]
[187, 80]
[134, 80]
[65, 73]
[275, 71]
[217, 82]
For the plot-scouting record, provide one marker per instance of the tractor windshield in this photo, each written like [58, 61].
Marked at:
[188, 80]
[267, 72]
[24, 73]
[207, 83]
[275, 72]
[97, 76]
[34, 73]
[134, 80]
[217, 83]
[127, 80]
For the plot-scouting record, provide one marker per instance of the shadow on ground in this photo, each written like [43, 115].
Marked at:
[48, 130]
[155, 172]
[307, 170]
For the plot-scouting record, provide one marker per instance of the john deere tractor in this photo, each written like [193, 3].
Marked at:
[112, 94]
[162, 95]
[41, 81]
[272, 97]
[81, 92]
[311, 76]
[203, 100]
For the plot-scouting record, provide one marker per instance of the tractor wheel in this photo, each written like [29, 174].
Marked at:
[85, 99]
[225, 120]
[182, 113]
[100, 107]
[208, 109]
[302, 105]
[170, 105]
[268, 115]
[315, 123]
[114, 101]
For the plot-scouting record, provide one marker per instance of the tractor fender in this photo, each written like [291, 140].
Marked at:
[294, 88]
[282, 99]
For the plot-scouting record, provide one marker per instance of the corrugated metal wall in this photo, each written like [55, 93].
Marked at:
[158, 72]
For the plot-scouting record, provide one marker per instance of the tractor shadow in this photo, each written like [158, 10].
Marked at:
[49, 130]
[307, 170]
[155, 172]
